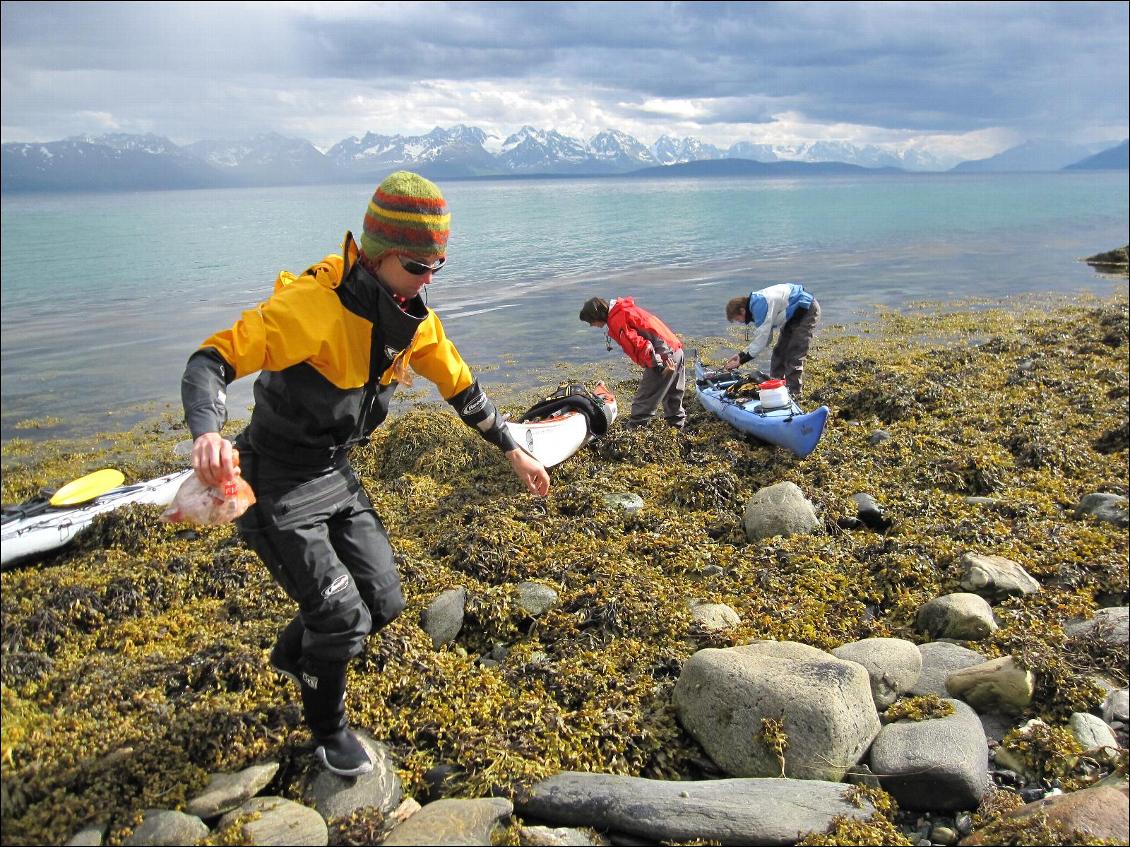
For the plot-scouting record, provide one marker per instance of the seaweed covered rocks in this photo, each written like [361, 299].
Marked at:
[135, 660]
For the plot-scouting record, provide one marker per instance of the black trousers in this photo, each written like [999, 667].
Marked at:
[787, 362]
[320, 538]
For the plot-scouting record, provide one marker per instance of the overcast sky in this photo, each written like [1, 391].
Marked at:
[964, 80]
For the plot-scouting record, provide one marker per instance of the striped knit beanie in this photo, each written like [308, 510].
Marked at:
[407, 216]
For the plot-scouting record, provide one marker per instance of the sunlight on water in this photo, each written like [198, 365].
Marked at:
[104, 296]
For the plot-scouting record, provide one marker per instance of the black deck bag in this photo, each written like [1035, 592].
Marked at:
[573, 397]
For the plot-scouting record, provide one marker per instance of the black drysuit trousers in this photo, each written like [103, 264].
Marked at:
[320, 538]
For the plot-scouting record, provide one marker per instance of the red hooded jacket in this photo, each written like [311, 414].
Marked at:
[646, 339]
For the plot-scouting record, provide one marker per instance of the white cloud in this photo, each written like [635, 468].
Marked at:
[953, 78]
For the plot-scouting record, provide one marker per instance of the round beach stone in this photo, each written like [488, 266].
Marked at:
[626, 502]
[1111, 508]
[1099, 814]
[279, 822]
[962, 616]
[714, 617]
[1109, 625]
[939, 660]
[535, 598]
[996, 686]
[995, 576]
[941, 764]
[1116, 707]
[1091, 731]
[88, 836]
[452, 822]
[163, 826]
[780, 509]
[892, 664]
[443, 618]
[338, 796]
[226, 791]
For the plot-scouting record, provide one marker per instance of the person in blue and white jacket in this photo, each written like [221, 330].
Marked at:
[791, 310]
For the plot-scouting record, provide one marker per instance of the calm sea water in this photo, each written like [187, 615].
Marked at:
[104, 296]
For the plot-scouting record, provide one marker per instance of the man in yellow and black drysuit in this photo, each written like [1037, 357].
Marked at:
[331, 346]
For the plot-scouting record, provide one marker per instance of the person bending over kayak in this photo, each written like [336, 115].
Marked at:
[331, 347]
[788, 308]
[650, 344]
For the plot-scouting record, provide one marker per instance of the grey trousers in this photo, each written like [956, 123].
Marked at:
[325, 545]
[791, 349]
[658, 386]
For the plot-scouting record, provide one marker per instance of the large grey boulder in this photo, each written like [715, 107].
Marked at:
[725, 811]
[892, 664]
[452, 822]
[939, 660]
[823, 704]
[940, 764]
[962, 616]
[780, 509]
[163, 826]
[338, 796]
[278, 821]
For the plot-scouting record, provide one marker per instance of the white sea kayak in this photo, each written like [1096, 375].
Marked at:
[24, 537]
[559, 426]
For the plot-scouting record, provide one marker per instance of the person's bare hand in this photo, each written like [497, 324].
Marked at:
[528, 469]
[214, 459]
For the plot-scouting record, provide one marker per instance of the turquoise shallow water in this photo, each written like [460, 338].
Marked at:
[103, 296]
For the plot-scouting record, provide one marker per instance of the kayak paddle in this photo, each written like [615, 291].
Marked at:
[87, 487]
[74, 493]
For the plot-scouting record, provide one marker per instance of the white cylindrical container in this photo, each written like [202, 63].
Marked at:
[773, 394]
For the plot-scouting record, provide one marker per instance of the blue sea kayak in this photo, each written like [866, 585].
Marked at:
[788, 426]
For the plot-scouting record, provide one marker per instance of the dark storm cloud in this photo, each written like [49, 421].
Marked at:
[938, 66]
[931, 67]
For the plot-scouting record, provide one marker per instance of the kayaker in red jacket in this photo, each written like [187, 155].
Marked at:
[649, 343]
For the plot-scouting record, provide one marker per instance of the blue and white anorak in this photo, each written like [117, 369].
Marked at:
[770, 309]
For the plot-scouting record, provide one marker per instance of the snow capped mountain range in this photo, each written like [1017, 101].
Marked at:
[125, 161]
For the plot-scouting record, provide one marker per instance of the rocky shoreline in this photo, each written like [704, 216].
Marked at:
[917, 635]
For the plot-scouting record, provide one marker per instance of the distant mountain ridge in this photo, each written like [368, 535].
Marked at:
[121, 161]
[1032, 156]
[1115, 159]
[749, 167]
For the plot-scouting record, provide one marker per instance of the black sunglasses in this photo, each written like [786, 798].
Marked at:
[419, 268]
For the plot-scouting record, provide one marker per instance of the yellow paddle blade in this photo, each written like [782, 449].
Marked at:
[87, 487]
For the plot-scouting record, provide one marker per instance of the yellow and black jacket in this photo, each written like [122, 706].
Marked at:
[331, 346]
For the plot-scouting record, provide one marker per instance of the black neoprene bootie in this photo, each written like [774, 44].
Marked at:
[323, 703]
[287, 652]
[343, 754]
